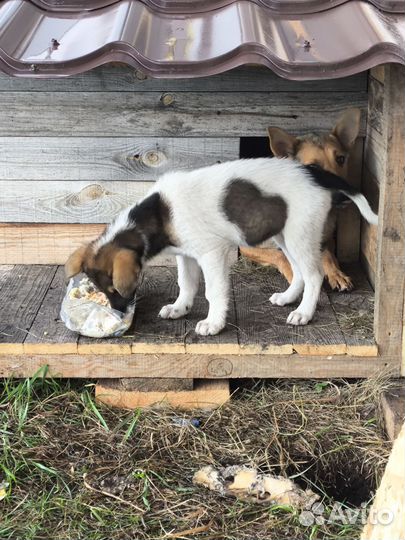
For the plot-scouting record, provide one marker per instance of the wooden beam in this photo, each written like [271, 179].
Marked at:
[390, 282]
[197, 366]
[107, 159]
[206, 394]
[50, 243]
[191, 114]
[386, 520]
[126, 79]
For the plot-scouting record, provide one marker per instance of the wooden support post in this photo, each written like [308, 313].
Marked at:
[135, 393]
[393, 408]
[390, 282]
[386, 520]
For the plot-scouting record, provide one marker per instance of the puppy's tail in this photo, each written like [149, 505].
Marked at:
[362, 204]
[342, 191]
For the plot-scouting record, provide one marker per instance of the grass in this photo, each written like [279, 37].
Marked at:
[79, 470]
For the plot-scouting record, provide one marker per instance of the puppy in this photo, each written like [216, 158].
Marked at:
[330, 152]
[201, 215]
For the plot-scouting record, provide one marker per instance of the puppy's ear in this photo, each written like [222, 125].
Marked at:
[126, 271]
[74, 264]
[282, 144]
[347, 128]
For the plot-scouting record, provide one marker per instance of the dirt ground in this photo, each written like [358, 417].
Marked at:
[71, 468]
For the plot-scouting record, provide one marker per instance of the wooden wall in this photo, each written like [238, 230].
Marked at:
[74, 151]
[374, 168]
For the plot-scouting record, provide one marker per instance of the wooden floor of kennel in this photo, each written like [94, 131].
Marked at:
[31, 336]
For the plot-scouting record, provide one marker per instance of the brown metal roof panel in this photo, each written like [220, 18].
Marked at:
[199, 6]
[342, 41]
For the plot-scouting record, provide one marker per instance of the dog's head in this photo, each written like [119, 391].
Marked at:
[114, 270]
[330, 152]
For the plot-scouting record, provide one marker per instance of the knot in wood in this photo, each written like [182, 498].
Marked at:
[139, 75]
[167, 99]
[153, 158]
[90, 193]
[219, 367]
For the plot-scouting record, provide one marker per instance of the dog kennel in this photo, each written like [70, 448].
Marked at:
[99, 98]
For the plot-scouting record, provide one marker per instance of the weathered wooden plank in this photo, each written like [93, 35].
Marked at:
[323, 334]
[50, 243]
[354, 313]
[22, 289]
[390, 283]
[224, 343]
[374, 154]
[207, 394]
[125, 79]
[67, 202]
[393, 408]
[191, 114]
[348, 220]
[107, 158]
[386, 519]
[369, 232]
[48, 334]
[262, 327]
[150, 332]
[197, 366]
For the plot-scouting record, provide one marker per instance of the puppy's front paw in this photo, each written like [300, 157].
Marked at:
[208, 328]
[339, 281]
[171, 311]
[297, 318]
[278, 299]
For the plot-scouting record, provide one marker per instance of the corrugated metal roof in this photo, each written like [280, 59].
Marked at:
[189, 38]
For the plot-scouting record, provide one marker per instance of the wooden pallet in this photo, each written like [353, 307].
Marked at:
[255, 343]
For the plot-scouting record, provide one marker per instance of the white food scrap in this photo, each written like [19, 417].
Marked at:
[248, 483]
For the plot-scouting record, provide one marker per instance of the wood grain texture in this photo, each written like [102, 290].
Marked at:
[48, 334]
[393, 408]
[389, 498]
[22, 290]
[224, 343]
[322, 335]
[107, 158]
[207, 394]
[354, 313]
[197, 366]
[190, 114]
[67, 201]
[348, 219]
[390, 283]
[125, 79]
[369, 232]
[50, 243]
[150, 332]
[262, 327]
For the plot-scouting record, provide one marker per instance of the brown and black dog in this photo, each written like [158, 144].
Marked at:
[330, 152]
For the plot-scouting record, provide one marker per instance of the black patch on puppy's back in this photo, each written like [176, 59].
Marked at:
[258, 216]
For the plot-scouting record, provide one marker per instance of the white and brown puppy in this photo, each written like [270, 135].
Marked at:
[201, 215]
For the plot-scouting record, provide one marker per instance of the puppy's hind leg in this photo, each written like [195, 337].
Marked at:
[296, 287]
[188, 279]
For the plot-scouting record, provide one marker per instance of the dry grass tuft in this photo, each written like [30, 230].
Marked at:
[80, 470]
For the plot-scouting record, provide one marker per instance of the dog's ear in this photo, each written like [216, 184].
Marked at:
[74, 265]
[282, 144]
[347, 128]
[126, 271]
